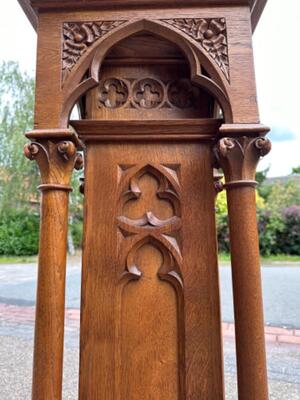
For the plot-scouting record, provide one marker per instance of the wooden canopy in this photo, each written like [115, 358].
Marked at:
[31, 7]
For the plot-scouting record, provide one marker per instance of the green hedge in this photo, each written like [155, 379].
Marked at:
[279, 232]
[19, 231]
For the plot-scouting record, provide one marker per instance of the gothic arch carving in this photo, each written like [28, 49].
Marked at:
[74, 86]
[161, 233]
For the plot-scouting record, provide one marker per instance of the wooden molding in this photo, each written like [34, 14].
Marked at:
[237, 130]
[32, 7]
[256, 12]
[55, 134]
[201, 129]
[29, 12]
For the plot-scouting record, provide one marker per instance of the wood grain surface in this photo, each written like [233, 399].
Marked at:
[156, 85]
[150, 325]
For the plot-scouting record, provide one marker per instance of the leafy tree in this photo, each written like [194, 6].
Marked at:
[261, 176]
[296, 170]
[222, 219]
[263, 190]
[18, 177]
[283, 195]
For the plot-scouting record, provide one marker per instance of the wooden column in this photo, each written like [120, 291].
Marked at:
[56, 159]
[238, 158]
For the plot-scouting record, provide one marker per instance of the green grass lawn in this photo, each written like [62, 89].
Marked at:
[17, 259]
[223, 257]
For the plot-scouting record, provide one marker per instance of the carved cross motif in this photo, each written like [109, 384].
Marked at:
[113, 93]
[183, 94]
[148, 93]
[147, 97]
[211, 34]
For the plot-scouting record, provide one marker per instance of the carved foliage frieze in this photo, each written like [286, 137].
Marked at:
[164, 234]
[148, 93]
[211, 34]
[78, 37]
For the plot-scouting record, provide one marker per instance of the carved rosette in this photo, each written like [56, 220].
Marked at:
[78, 37]
[148, 93]
[238, 157]
[56, 162]
[164, 234]
[211, 34]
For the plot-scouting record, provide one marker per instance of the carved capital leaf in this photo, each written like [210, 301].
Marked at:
[211, 34]
[56, 161]
[238, 157]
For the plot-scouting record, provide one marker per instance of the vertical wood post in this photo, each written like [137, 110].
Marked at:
[56, 160]
[238, 159]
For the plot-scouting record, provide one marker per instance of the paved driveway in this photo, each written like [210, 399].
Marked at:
[281, 286]
[18, 286]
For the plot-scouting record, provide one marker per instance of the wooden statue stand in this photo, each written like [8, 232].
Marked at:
[165, 91]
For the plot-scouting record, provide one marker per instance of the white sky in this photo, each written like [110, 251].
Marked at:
[277, 60]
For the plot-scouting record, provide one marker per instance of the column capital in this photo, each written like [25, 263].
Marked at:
[238, 157]
[55, 152]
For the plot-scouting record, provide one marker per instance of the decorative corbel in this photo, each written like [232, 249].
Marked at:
[56, 158]
[238, 158]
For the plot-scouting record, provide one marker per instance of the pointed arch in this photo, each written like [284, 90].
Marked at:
[74, 86]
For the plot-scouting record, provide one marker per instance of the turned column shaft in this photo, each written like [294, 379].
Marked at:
[56, 160]
[238, 158]
[247, 293]
[50, 304]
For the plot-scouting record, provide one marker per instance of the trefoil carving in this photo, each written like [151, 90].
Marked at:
[164, 234]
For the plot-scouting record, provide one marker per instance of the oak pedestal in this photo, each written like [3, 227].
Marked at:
[162, 93]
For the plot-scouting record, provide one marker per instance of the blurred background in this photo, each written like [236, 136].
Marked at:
[277, 60]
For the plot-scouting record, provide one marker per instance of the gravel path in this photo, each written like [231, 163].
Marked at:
[16, 365]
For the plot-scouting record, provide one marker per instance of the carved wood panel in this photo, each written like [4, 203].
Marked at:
[148, 92]
[77, 37]
[150, 323]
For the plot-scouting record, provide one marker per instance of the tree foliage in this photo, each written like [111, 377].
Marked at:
[18, 177]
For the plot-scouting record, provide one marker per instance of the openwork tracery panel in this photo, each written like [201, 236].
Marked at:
[148, 93]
